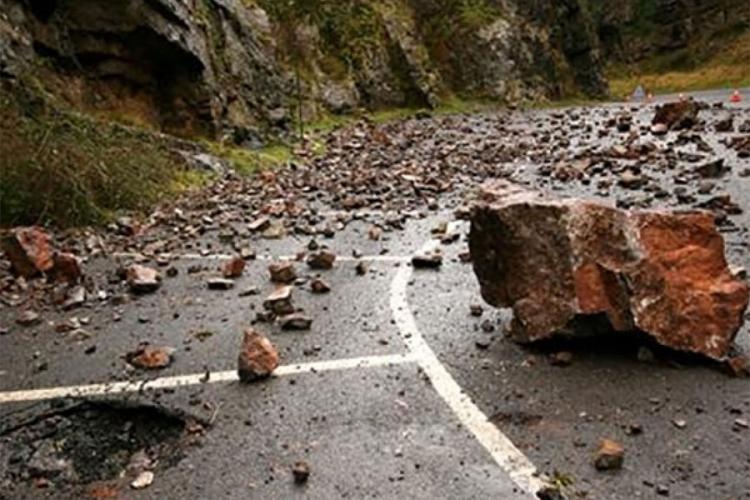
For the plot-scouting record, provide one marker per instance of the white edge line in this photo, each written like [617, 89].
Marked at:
[520, 469]
[82, 391]
[195, 256]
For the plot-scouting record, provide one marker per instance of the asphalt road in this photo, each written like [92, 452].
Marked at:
[423, 402]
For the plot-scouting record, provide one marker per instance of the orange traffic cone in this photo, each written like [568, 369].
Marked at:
[736, 96]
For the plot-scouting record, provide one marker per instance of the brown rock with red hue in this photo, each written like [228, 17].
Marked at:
[609, 456]
[282, 272]
[233, 268]
[323, 259]
[258, 357]
[150, 357]
[67, 267]
[29, 251]
[677, 115]
[554, 261]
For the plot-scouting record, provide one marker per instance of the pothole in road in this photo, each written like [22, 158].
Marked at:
[92, 443]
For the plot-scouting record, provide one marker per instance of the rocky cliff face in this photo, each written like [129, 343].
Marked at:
[238, 68]
[634, 30]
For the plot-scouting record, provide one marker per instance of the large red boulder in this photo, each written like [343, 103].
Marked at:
[553, 261]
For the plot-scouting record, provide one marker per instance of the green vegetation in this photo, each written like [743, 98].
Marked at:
[62, 167]
[348, 30]
[721, 63]
[454, 19]
[247, 161]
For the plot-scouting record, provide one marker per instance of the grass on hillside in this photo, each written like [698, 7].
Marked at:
[727, 67]
[61, 167]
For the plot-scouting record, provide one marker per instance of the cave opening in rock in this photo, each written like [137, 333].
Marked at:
[123, 70]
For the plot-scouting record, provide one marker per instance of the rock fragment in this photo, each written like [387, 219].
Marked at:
[142, 279]
[150, 357]
[220, 284]
[280, 301]
[295, 321]
[29, 251]
[143, 480]
[319, 286]
[233, 268]
[609, 456]
[321, 260]
[558, 261]
[301, 472]
[282, 272]
[66, 267]
[259, 224]
[427, 260]
[28, 318]
[258, 357]
[679, 115]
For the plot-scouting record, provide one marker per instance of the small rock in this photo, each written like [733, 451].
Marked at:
[301, 472]
[712, 169]
[739, 366]
[274, 231]
[67, 267]
[562, 358]
[233, 268]
[375, 233]
[323, 259]
[679, 423]
[220, 284]
[483, 343]
[282, 272]
[476, 310]
[319, 286]
[76, 298]
[143, 480]
[634, 430]
[659, 129]
[142, 279]
[247, 253]
[741, 423]
[361, 268]
[247, 292]
[28, 318]
[280, 301]
[259, 224]
[258, 357]
[431, 260]
[295, 321]
[725, 124]
[609, 456]
[150, 357]
[646, 355]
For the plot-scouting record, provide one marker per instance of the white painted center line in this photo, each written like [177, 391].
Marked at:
[503, 451]
[109, 388]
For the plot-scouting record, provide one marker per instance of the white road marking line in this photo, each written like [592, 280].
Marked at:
[503, 451]
[195, 256]
[82, 391]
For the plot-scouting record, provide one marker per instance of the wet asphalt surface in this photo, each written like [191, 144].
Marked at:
[384, 432]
